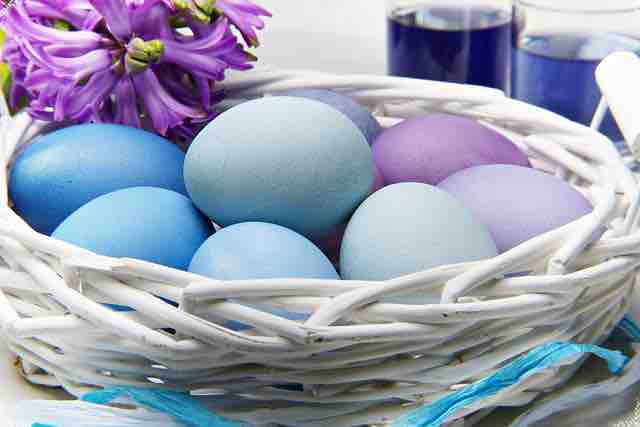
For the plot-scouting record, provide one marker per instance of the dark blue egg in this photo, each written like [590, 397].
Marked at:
[65, 169]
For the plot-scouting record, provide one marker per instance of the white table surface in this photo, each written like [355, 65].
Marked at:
[346, 36]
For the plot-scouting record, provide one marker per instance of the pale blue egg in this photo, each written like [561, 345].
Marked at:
[290, 161]
[256, 250]
[410, 227]
[360, 115]
[147, 223]
[67, 168]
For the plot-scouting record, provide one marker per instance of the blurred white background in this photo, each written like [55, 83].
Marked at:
[326, 35]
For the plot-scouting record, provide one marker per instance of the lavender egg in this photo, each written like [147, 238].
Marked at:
[358, 114]
[516, 203]
[428, 149]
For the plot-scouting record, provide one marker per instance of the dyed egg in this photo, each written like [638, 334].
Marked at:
[516, 203]
[147, 223]
[257, 250]
[361, 116]
[289, 161]
[330, 244]
[409, 227]
[378, 179]
[430, 148]
[65, 169]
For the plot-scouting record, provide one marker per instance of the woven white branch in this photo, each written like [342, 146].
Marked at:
[361, 360]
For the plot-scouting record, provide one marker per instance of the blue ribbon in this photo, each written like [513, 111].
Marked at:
[630, 328]
[539, 359]
[180, 406]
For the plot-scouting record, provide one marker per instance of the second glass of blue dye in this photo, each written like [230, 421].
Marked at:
[557, 46]
[459, 41]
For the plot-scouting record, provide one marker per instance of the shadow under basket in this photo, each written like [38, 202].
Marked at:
[354, 361]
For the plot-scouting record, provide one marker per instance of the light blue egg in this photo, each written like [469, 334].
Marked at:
[290, 161]
[147, 223]
[410, 227]
[361, 116]
[256, 250]
[65, 169]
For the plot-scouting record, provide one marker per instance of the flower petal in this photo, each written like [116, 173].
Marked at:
[78, 102]
[19, 23]
[80, 67]
[198, 64]
[116, 17]
[245, 15]
[126, 105]
[92, 20]
[150, 19]
[72, 12]
[165, 111]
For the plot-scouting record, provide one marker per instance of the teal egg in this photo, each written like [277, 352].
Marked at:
[294, 162]
[147, 223]
[65, 169]
[360, 115]
[410, 227]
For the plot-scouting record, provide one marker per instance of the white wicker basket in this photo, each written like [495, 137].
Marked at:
[360, 362]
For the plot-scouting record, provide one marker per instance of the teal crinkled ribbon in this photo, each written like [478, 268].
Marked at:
[630, 328]
[180, 406]
[539, 359]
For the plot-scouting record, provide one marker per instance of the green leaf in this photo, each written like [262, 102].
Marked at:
[5, 73]
[5, 78]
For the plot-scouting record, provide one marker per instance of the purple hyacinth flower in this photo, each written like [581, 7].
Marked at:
[143, 63]
[244, 15]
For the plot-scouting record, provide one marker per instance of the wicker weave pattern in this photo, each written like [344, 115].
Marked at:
[360, 362]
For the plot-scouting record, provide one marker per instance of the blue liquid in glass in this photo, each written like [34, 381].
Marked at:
[460, 45]
[557, 72]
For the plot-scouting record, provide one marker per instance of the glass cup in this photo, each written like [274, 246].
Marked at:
[462, 41]
[557, 46]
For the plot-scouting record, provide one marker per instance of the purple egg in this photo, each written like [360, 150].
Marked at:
[428, 149]
[516, 203]
[378, 179]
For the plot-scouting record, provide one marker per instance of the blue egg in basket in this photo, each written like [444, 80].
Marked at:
[63, 170]
[257, 250]
[147, 223]
[358, 114]
[289, 161]
[407, 228]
